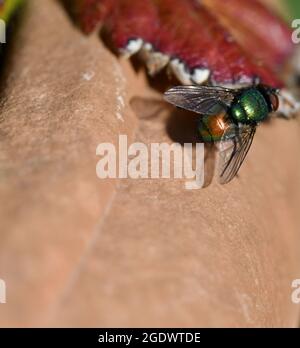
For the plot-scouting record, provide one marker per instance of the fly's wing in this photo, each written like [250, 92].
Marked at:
[234, 147]
[200, 99]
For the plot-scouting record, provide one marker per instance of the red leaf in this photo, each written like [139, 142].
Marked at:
[198, 40]
[132, 19]
[260, 33]
[89, 13]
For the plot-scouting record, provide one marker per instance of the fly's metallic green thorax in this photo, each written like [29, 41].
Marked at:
[250, 107]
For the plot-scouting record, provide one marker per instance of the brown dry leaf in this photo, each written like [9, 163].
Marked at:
[78, 251]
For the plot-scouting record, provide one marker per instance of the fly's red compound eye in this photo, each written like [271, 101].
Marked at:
[274, 101]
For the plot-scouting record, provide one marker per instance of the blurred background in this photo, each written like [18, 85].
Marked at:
[293, 7]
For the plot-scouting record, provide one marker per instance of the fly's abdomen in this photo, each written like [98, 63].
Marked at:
[213, 127]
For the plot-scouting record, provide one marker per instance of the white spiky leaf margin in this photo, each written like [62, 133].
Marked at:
[155, 61]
